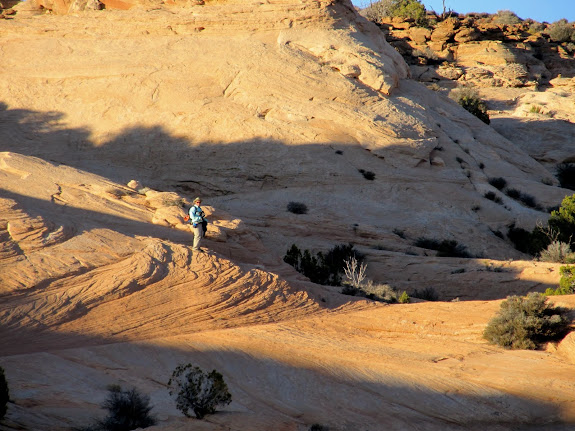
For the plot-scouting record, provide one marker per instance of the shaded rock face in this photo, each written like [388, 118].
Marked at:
[244, 101]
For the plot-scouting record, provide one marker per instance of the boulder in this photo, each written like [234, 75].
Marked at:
[450, 72]
[566, 347]
[419, 35]
[135, 185]
[466, 34]
[445, 30]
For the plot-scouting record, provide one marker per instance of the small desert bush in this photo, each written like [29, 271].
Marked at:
[297, 208]
[198, 391]
[173, 202]
[525, 323]
[375, 292]
[562, 221]
[427, 294]
[127, 410]
[525, 198]
[535, 109]
[558, 252]
[318, 427]
[407, 9]
[566, 283]
[562, 31]
[469, 99]
[377, 11]
[565, 173]
[506, 17]
[513, 193]
[535, 27]
[528, 242]
[493, 197]
[4, 393]
[403, 298]
[444, 248]
[379, 292]
[322, 268]
[498, 182]
[368, 175]
[528, 200]
[117, 193]
[355, 284]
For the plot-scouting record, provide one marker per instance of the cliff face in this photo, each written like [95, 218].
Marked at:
[245, 99]
[478, 50]
[252, 106]
[522, 70]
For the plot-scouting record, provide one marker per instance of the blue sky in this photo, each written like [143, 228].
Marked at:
[539, 10]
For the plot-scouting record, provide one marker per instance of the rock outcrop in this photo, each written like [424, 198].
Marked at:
[490, 54]
[253, 106]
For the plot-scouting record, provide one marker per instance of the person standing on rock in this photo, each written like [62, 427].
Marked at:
[199, 223]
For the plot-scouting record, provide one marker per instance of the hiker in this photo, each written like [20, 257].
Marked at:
[199, 223]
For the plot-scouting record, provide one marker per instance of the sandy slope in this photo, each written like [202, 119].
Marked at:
[94, 293]
[399, 367]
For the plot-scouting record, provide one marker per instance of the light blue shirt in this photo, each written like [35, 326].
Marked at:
[197, 215]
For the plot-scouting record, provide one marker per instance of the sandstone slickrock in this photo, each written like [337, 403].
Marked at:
[253, 105]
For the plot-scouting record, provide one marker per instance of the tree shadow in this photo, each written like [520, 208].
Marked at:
[212, 169]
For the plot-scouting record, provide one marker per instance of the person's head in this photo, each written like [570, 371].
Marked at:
[197, 201]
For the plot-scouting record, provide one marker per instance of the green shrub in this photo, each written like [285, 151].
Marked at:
[403, 298]
[198, 391]
[498, 182]
[323, 268]
[444, 248]
[410, 9]
[469, 99]
[535, 109]
[4, 393]
[297, 208]
[563, 220]
[406, 9]
[566, 283]
[127, 410]
[526, 322]
[562, 31]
